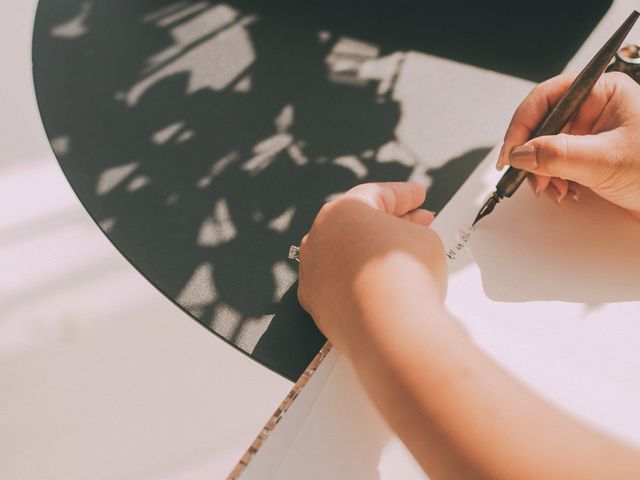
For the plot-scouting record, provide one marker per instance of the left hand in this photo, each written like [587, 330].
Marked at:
[367, 248]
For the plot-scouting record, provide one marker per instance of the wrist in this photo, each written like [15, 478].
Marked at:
[395, 297]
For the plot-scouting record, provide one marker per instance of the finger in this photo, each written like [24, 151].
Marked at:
[553, 193]
[395, 198]
[420, 216]
[542, 182]
[302, 248]
[586, 119]
[531, 112]
[561, 186]
[544, 96]
[586, 159]
[574, 191]
[538, 183]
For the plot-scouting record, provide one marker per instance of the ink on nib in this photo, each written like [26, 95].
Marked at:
[487, 208]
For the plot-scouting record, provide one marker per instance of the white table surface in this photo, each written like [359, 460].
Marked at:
[93, 385]
[117, 386]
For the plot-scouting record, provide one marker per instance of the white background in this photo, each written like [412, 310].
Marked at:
[100, 375]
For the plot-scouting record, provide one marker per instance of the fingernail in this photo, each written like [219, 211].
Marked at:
[499, 164]
[554, 194]
[523, 157]
[574, 193]
[561, 196]
[533, 183]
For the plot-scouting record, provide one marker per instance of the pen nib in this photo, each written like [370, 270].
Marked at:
[487, 208]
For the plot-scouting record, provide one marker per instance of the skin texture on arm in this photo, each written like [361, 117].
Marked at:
[373, 276]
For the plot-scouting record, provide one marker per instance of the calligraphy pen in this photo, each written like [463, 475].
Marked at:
[563, 111]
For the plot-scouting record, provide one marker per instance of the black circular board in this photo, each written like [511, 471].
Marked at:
[197, 134]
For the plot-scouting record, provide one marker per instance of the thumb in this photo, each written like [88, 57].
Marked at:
[395, 198]
[586, 159]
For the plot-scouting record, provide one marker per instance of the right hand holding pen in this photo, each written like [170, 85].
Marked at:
[599, 148]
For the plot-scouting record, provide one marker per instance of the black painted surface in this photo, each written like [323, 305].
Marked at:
[81, 81]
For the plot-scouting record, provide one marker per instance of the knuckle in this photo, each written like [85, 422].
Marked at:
[517, 132]
[304, 245]
[335, 207]
[388, 198]
[361, 186]
[552, 151]
[537, 91]
[301, 295]
[565, 78]
[619, 78]
[325, 211]
[329, 214]
[363, 190]
[621, 83]
[561, 147]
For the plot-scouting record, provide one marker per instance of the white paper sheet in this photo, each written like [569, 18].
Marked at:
[552, 293]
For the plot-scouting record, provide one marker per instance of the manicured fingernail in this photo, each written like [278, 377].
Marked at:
[523, 157]
[554, 193]
[499, 165]
[561, 197]
[574, 193]
[533, 184]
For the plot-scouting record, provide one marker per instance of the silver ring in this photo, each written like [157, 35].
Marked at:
[294, 253]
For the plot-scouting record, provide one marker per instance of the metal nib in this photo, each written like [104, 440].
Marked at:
[487, 208]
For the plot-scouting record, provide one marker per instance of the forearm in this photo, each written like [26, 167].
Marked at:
[456, 410]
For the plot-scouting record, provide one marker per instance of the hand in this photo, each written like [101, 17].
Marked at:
[370, 246]
[372, 275]
[599, 148]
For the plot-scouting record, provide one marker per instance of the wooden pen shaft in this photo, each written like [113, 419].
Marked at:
[570, 101]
